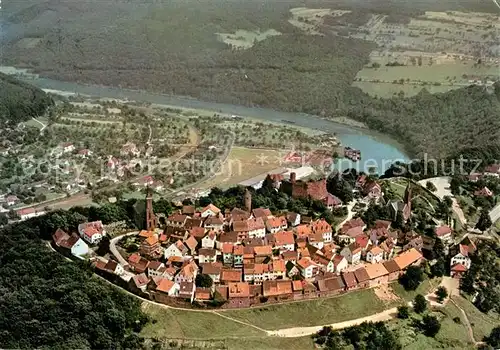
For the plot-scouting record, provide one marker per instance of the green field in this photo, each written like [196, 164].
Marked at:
[424, 288]
[270, 343]
[387, 90]
[169, 323]
[313, 313]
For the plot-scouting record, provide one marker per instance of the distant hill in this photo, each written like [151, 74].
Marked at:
[20, 101]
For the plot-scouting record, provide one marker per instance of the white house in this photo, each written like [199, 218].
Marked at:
[340, 263]
[352, 253]
[113, 266]
[92, 232]
[444, 234]
[73, 243]
[173, 250]
[210, 210]
[209, 240]
[283, 240]
[28, 213]
[462, 257]
[68, 147]
[207, 255]
[375, 254]
[293, 219]
[256, 228]
[166, 286]
[276, 224]
[11, 200]
[308, 268]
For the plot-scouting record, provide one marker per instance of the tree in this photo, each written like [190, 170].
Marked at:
[439, 268]
[403, 311]
[430, 325]
[493, 339]
[203, 280]
[484, 221]
[441, 294]
[419, 304]
[430, 186]
[4, 219]
[103, 248]
[412, 278]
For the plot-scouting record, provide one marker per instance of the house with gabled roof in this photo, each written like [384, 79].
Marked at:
[70, 243]
[175, 249]
[377, 273]
[239, 294]
[230, 275]
[165, 286]
[282, 240]
[209, 240]
[207, 255]
[213, 270]
[352, 253]
[375, 254]
[324, 228]
[340, 263]
[308, 268]
[214, 223]
[444, 233]
[186, 290]
[462, 256]
[187, 272]
[210, 210]
[362, 277]
[331, 285]
[263, 213]
[350, 230]
[279, 290]
[92, 232]
[350, 281]
[408, 258]
[191, 243]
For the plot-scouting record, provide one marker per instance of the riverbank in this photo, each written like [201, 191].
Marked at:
[377, 150]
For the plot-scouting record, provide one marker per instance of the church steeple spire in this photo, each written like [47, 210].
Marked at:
[150, 215]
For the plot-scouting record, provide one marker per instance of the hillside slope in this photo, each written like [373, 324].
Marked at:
[20, 101]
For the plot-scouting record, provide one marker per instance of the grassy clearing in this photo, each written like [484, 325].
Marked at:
[245, 163]
[245, 39]
[481, 323]
[451, 336]
[424, 288]
[387, 90]
[169, 323]
[313, 313]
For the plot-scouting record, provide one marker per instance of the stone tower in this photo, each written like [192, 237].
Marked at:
[407, 202]
[150, 215]
[248, 201]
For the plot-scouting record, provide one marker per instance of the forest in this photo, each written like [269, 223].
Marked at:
[20, 101]
[49, 302]
[172, 47]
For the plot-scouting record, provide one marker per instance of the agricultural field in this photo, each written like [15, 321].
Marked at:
[244, 163]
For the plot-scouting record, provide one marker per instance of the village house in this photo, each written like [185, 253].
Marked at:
[230, 275]
[191, 243]
[444, 233]
[71, 243]
[323, 228]
[239, 294]
[203, 294]
[282, 240]
[114, 267]
[377, 274]
[279, 290]
[331, 286]
[393, 269]
[129, 149]
[209, 240]
[214, 223]
[155, 269]
[238, 255]
[151, 247]
[207, 255]
[175, 249]
[293, 219]
[263, 213]
[362, 277]
[352, 253]
[276, 224]
[492, 170]
[166, 286]
[137, 263]
[139, 283]
[213, 270]
[350, 230]
[458, 271]
[92, 232]
[461, 257]
[408, 258]
[483, 192]
[186, 290]
[374, 255]
[308, 268]
[210, 210]
[331, 201]
[187, 272]
[349, 280]
[177, 220]
[11, 200]
[28, 213]
[340, 263]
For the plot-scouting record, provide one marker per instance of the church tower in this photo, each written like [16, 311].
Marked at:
[248, 201]
[150, 215]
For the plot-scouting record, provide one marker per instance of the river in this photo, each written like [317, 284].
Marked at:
[377, 150]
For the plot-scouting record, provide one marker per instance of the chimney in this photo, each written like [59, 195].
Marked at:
[292, 177]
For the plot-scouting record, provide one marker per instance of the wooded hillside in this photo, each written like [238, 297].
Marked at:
[20, 101]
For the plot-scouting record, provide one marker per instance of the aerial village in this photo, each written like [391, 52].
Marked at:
[247, 256]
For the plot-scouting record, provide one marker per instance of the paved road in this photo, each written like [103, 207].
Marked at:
[114, 250]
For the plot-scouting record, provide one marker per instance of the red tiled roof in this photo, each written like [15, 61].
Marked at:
[231, 275]
[361, 275]
[261, 212]
[376, 270]
[239, 290]
[458, 268]
[284, 238]
[211, 268]
[349, 279]
[407, 258]
[442, 231]
[203, 293]
[265, 250]
[275, 288]
[164, 285]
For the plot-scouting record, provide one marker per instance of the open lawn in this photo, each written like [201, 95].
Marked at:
[243, 164]
[169, 323]
[424, 288]
[314, 312]
[481, 323]
[387, 90]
